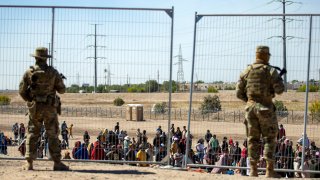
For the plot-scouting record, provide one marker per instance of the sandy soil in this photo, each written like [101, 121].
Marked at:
[94, 125]
[43, 170]
[235, 130]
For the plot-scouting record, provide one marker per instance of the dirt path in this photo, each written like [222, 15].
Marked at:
[43, 170]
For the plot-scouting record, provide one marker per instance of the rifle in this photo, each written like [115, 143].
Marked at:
[62, 76]
[282, 71]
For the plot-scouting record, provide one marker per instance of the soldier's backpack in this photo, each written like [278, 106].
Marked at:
[258, 81]
[40, 84]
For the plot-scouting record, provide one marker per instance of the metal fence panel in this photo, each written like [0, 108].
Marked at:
[102, 50]
[225, 44]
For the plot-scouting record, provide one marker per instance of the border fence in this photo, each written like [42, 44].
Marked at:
[225, 44]
[103, 50]
[98, 50]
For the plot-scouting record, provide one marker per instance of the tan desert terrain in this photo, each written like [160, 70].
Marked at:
[231, 129]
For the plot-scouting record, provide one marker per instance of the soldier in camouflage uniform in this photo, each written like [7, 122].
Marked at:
[257, 86]
[38, 88]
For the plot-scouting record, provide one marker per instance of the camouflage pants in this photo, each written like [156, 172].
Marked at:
[39, 113]
[262, 121]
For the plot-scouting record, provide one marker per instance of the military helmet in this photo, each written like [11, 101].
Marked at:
[41, 53]
[263, 49]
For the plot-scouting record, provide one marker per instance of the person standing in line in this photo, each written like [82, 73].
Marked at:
[257, 85]
[22, 132]
[70, 131]
[38, 88]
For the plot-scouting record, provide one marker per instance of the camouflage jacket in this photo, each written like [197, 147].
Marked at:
[266, 80]
[39, 82]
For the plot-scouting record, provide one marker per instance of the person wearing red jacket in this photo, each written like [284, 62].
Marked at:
[98, 150]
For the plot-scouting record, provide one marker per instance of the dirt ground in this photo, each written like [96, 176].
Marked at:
[79, 170]
[235, 130]
[94, 125]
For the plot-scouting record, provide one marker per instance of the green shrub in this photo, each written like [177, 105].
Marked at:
[118, 101]
[230, 88]
[281, 109]
[210, 104]
[212, 89]
[132, 89]
[315, 110]
[312, 88]
[160, 108]
[4, 100]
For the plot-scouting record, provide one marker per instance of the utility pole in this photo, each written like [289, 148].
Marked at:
[105, 78]
[95, 55]
[284, 37]
[78, 81]
[158, 81]
[109, 75]
[128, 80]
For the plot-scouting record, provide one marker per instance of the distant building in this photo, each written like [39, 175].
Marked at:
[203, 87]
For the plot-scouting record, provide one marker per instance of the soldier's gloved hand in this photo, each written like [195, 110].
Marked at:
[283, 71]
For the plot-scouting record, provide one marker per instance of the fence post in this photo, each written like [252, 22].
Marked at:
[234, 116]
[110, 113]
[150, 114]
[218, 116]
[180, 114]
[292, 116]
[175, 114]
[194, 116]
[239, 116]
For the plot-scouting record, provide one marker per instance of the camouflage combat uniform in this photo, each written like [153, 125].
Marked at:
[38, 87]
[257, 86]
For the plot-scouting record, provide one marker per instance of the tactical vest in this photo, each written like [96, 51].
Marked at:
[41, 84]
[258, 82]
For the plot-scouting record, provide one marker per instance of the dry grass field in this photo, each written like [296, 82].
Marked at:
[292, 100]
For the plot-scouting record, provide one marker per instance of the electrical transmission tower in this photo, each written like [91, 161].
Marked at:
[108, 75]
[284, 36]
[180, 73]
[95, 55]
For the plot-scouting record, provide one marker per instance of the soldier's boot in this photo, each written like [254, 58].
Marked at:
[270, 173]
[253, 169]
[59, 166]
[28, 166]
